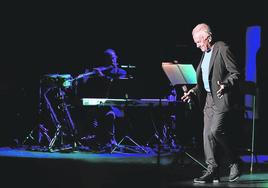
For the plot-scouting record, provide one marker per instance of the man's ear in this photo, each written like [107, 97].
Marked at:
[209, 38]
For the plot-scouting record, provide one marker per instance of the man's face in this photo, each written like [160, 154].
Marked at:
[111, 58]
[202, 41]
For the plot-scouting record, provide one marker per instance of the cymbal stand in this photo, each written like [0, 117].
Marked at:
[156, 133]
[67, 120]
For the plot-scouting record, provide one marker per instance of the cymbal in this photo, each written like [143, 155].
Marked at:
[63, 76]
[62, 80]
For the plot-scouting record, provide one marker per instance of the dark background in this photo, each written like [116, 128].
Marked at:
[40, 39]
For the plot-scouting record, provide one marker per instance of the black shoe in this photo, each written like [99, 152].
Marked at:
[211, 175]
[234, 172]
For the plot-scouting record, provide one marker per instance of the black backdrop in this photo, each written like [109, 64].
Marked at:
[40, 38]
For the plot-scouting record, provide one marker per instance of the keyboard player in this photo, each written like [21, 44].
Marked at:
[101, 84]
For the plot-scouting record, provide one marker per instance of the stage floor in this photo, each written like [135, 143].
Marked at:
[21, 167]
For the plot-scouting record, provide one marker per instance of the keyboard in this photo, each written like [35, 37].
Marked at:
[126, 102]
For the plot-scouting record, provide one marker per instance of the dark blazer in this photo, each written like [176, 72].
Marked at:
[224, 68]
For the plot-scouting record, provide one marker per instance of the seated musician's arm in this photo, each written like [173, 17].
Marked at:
[98, 70]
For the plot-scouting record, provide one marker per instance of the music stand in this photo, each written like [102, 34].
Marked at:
[181, 74]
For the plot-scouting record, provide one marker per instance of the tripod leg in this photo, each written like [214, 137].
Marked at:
[52, 142]
[127, 137]
[183, 153]
[41, 131]
[136, 144]
[195, 160]
[118, 144]
[29, 136]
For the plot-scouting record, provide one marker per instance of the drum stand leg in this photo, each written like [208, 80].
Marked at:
[68, 121]
[40, 130]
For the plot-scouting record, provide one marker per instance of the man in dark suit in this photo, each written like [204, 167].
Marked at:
[217, 85]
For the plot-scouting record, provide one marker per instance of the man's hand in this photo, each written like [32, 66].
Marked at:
[220, 92]
[187, 96]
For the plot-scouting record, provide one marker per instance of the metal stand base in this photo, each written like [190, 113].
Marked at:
[136, 148]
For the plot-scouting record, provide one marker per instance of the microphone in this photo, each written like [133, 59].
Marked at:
[128, 66]
[189, 101]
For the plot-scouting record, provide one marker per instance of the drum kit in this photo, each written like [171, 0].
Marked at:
[54, 109]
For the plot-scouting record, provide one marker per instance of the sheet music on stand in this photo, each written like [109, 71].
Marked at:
[179, 73]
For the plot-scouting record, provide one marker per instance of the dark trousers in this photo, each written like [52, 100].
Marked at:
[215, 134]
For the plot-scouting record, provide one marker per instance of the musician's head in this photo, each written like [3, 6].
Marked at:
[202, 36]
[111, 57]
